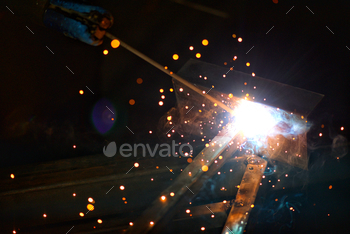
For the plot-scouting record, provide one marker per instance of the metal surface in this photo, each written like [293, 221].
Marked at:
[183, 182]
[246, 195]
[276, 94]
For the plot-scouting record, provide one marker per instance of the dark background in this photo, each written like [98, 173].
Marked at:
[43, 115]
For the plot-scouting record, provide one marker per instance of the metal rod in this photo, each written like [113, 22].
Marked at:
[170, 73]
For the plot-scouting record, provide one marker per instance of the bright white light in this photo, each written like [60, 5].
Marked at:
[254, 119]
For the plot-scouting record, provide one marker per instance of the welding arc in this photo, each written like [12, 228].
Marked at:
[173, 75]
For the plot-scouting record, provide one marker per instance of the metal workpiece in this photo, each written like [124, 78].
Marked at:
[238, 216]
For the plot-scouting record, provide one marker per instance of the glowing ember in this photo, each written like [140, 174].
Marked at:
[99, 221]
[131, 224]
[12, 176]
[81, 214]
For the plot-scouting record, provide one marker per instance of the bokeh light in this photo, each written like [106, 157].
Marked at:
[122, 187]
[248, 64]
[105, 52]
[205, 168]
[139, 81]
[160, 103]
[136, 164]
[161, 90]
[240, 39]
[175, 57]
[101, 115]
[198, 55]
[191, 48]
[12, 176]
[99, 220]
[90, 207]
[81, 92]
[115, 43]
[132, 102]
[205, 42]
